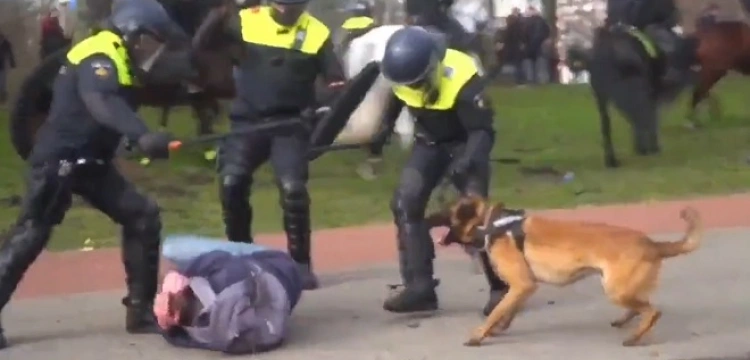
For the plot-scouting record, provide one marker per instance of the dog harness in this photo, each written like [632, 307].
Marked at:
[508, 221]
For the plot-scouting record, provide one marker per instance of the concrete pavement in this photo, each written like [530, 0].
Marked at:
[704, 296]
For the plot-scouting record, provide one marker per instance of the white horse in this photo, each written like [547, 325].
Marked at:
[366, 120]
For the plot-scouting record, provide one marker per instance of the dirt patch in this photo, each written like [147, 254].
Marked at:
[168, 190]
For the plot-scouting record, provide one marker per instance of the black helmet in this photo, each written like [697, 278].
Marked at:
[287, 12]
[138, 20]
[360, 8]
[131, 18]
[290, 2]
[411, 54]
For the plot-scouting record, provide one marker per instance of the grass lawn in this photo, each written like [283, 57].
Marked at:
[555, 127]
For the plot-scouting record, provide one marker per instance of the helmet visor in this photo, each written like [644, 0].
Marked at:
[147, 50]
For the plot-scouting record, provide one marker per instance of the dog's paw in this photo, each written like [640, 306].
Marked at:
[617, 324]
[473, 342]
[495, 332]
[631, 342]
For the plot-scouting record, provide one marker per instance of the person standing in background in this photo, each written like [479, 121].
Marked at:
[513, 46]
[53, 36]
[536, 32]
[7, 62]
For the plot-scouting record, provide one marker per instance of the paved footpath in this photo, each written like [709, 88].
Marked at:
[704, 297]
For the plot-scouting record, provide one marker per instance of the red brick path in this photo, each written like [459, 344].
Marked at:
[348, 248]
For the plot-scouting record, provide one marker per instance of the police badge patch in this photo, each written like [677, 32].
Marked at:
[479, 101]
[101, 69]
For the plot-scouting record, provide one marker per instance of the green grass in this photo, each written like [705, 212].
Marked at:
[555, 126]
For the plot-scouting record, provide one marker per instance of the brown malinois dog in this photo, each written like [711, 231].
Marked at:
[527, 250]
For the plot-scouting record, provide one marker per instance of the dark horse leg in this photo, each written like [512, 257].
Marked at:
[634, 97]
[164, 120]
[707, 78]
[206, 110]
[602, 105]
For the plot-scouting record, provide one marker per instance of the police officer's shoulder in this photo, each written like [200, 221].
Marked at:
[314, 21]
[474, 91]
[460, 58]
[97, 68]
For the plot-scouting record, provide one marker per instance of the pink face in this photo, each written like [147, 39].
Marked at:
[173, 283]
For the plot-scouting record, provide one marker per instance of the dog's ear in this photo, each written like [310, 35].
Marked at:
[468, 208]
[438, 219]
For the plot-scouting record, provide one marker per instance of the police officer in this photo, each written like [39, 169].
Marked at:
[454, 136]
[74, 151]
[358, 24]
[657, 18]
[286, 50]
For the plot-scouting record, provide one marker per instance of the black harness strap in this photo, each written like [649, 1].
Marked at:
[507, 221]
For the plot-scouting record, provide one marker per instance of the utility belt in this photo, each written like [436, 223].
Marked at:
[429, 140]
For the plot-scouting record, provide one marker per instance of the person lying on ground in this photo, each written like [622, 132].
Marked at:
[232, 302]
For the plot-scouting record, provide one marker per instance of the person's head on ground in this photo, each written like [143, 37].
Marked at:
[172, 306]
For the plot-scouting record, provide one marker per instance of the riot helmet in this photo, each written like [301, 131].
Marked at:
[287, 12]
[146, 29]
[360, 8]
[413, 58]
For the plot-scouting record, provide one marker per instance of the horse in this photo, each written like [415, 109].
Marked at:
[721, 47]
[625, 68]
[366, 120]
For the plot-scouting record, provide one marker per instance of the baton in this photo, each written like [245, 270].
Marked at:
[177, 144]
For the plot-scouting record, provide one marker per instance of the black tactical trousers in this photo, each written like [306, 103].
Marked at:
[422, 173]
[49, 196]
[240, 156]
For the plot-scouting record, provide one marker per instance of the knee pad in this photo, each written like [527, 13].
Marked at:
[294, 195]
[234, 188]
[407, 207]
[145, 224]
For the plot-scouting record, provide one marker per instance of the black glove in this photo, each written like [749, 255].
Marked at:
[460, 167]
[156, 144]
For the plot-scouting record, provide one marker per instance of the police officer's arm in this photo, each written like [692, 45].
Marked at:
[330, 66]
[475, 113]
[390, 115]
[99, 89]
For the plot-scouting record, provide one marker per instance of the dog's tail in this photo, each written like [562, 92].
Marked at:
[690, 241]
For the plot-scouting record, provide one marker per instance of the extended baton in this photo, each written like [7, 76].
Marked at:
[268, 125]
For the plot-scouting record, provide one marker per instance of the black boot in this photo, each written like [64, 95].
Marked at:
[297, 227]
[140, 255]
[418, 293]
[498, 288]
[496, 296]
[309, 279]
[21, 247]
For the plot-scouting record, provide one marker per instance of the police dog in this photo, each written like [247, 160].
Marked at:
[527, 250]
